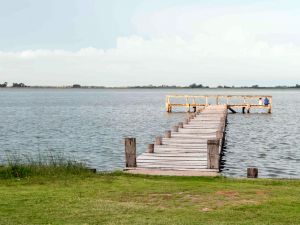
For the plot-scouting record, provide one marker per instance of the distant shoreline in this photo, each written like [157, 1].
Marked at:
[206, 88]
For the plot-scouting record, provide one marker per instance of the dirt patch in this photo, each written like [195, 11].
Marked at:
[161, 196]
[228, 193]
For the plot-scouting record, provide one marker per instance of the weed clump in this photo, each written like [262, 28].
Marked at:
[47, 165]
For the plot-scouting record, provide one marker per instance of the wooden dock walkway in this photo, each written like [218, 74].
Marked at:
[192, 148]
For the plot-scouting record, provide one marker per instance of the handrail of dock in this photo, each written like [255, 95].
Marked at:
[241, 101]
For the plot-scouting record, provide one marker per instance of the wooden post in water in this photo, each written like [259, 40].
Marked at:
[248, 108]
[158, 140]
[180, 125]
[213, 156]
[130, 152]
[186, 121]
[150, 148]
[252, 172]
[167, 134]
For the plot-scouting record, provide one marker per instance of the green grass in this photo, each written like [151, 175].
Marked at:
[117, 198]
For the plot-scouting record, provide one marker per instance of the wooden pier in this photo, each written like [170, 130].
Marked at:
[194, 146]
[191, 148]
[233, 102]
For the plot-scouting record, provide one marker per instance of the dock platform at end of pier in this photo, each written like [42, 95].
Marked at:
[245, 103]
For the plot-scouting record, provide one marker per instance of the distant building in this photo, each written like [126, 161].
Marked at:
[76, 86]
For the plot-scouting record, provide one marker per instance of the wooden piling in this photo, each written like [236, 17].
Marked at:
[150, 148]
[186, 121]
[130, 152]
[167, 134]
[213, 156]
[175, 128]
[252, 172]
[180, 125]
[158, 140]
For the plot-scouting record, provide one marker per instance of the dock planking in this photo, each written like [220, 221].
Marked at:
[191, 150]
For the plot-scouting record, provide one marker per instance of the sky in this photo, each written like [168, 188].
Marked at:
[141, 42]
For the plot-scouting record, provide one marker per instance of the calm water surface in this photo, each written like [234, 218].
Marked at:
[90, 125]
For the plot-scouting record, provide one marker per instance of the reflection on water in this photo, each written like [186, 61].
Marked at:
[91, 125]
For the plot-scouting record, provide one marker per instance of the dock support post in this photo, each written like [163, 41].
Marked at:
[186, 121]
[150, 148]
[169, 108]
[180, 125]
[252, 172]
[167, 134]
[158, 140]
[270, 105]
[130, 152]
[213, 156]
[175, 128]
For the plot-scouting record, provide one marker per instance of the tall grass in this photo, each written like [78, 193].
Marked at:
[21, 166]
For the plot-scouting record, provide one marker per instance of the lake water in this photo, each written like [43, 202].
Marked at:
[90, 124]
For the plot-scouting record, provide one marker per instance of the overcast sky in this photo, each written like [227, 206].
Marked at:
[140, 42]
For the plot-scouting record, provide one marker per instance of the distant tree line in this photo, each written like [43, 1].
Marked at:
[3, 85]
[194, 85]
[19, 85]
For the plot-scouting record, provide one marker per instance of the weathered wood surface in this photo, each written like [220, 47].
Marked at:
[252, 172]
[185, 148]
[130, 152]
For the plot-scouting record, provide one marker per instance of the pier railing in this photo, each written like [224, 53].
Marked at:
[233, 102]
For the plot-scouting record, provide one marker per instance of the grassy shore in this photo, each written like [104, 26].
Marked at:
[82, 197]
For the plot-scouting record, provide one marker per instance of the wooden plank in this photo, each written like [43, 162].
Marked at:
[183, 146]
[179, 150]
[175, 154]
[173, 162]
[198, 130]
[175, 167]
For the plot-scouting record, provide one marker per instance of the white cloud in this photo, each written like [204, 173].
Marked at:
[183, 45]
